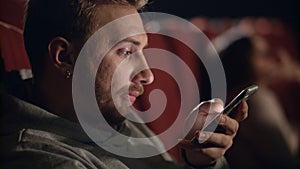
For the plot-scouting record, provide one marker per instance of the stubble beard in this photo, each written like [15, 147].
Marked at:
[108, 105]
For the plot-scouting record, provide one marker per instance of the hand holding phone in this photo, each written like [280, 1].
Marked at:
[242, 96]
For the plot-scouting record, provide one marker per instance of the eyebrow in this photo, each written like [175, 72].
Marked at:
[133, 41]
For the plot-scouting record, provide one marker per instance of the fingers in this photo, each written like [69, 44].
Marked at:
[214, 105]
[218, 101]
[230, 125]
[209, 153]
[209, 140]
[241, 112]
[214, 147]
[210, 121]
[202, 113]
[200, 156]
[215, 140]
[213, 152]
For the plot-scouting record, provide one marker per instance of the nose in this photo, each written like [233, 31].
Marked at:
[144, 77]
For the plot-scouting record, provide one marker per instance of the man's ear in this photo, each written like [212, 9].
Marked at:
[62, 55]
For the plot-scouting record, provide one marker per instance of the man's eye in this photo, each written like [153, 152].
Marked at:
[124, 52]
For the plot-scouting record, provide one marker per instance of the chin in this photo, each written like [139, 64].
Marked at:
[114, 110]
[112, 115]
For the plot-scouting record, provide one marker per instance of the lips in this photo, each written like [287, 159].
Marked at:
[131, 96]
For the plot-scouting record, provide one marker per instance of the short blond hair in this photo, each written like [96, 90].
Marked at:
[71, 19]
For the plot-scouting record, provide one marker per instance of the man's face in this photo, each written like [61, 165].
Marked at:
[123, 71]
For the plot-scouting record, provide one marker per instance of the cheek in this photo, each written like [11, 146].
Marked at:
[103, 82]
[122, 74]
[104, 76]
[113, 74]
[106, 73]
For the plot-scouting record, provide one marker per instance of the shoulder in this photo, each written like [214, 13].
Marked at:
[30, 148]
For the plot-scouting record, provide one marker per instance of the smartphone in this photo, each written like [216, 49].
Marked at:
[242, 96]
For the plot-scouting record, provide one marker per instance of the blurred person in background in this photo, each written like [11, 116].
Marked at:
[266, 139]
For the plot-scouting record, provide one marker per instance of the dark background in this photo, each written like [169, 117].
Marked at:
[285, 10]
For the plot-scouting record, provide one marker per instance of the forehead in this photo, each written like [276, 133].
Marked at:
[109, 13]
[118, 22]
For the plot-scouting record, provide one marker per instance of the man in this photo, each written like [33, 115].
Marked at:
[43, 131]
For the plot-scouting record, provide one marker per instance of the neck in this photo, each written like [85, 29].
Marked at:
[52, 96]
